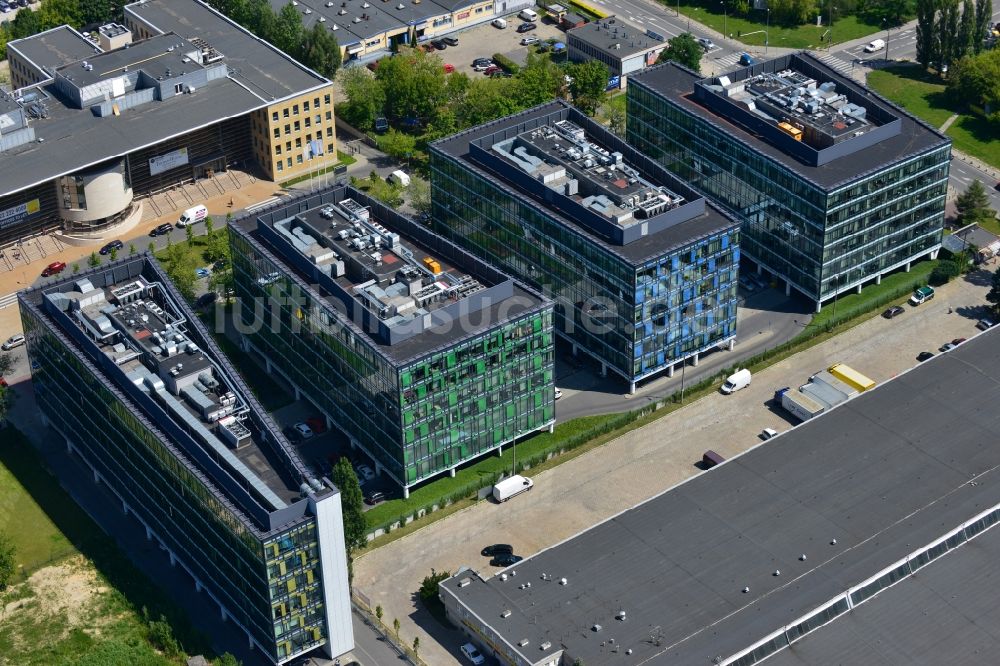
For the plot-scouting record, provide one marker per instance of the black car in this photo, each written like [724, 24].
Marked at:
[484, 62]
[206, 299]
[374, 498]
[439, 44]
[924, 355]
[450, 41]
[162, 230]
[497, 549]
[893, 311]
[501, 75]
[526, 27]
[113, 245]
[505, 560]
[984, 324]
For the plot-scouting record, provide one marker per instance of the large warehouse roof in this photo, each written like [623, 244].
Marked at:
[853, 491]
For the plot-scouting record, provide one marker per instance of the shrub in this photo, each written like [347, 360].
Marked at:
[429, 585]
[505, 63]
[944, 272]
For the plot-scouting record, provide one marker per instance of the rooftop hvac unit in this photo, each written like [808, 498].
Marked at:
[505, 613]
[523, 642]
[545, 646]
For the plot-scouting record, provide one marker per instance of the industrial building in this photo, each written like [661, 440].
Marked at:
[178, 94]
[643, 270]
[860, 537]
[367, 31]
[135, 384]
[622, 47]
[424, 356]
[834, 186]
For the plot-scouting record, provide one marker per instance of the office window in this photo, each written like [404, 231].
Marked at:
[305, 106]
[277, 132]
[277, 149]
[288, 129]
[281, 167]
[295, 109]
[326, 99]
[298, 158]
[298, 126]
[274, 116]
[329, 115]
[284, 112]
[289, 162]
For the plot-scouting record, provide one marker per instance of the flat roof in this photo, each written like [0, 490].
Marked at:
[914, 137]
[696, 218]
[54, 48]
[155, 56]
[73, 139]
[139, 335]
[854, 490]
[615, 38]
[400, 286]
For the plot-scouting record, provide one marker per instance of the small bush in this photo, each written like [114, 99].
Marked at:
[944, 272]
[429, 585]
[161, 636]
[505, 63]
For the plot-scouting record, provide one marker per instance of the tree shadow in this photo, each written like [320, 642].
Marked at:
[980, 128]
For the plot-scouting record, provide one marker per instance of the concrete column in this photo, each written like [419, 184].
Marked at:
[552, 428]
[878, 279]
[378, 469]
[224, 614]
[69, 446]
[298, 393]
[858, 289]
[732, 344]
[499, 450]
[631, 388]
[934, 254]
[819, 307]
[406, 493]
[907, 268]
[760, 269]
[604, 369]
[788, 288]
[149, 534]
[44, 419]
[173, 558]
[574, 349]
[451, 472]
[125, 507]
[249, 640]
[670, 371]
[267, 364]
[197, 585]
[694, 361]
[97, 477]
[329, 421]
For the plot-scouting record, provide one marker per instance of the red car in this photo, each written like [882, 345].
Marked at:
[492, 69]
[448, 68]
[54, 268]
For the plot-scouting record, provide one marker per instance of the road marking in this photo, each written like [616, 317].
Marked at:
[261, 204]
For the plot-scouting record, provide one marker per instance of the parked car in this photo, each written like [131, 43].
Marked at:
[921, 295]
[948, 346]
[894, 311]
[558, 393]
[113, 245]
[439, 44]
[55, 268]
[448, 68]
[746, 60]
[499, 23]
[526, 27]
[492, 69]
[202, 272]
[924, 355]
[505, 560]
[206, 299]
[164, 228]
[12, 342]
[365, 472]
[501, 75]
[304, 431]
[3, 382]
[373, 498]
[875, 45]
[984, 324]
[472, 654]
[481, 63]
[450, 41]
[527, 41]
[497, 549]
[768, 433]
[706, 43]
[957, 341]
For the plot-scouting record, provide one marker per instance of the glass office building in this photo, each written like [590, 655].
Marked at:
[833, 185]
[135, 384]
[642, 269]
[426, 357]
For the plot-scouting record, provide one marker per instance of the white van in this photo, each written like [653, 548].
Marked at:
[499, 23]
[737, 380]
[511, 486]
[875, 45]
[192, 215]
[398, 177]
[528, 15]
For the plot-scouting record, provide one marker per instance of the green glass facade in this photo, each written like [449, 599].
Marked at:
[416, 417]
[822, 240]
[640, 318]
[270, 582]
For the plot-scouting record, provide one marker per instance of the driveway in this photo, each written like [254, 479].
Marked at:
[482, 41]
[644, 463]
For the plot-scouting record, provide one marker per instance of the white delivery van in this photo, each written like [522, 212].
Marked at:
[528, 15]
[192, 215]
[511, 486]
[875, 45]
[401, 178]
[499, 23]
[737, 380]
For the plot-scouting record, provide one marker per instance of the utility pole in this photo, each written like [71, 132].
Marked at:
[767, 31]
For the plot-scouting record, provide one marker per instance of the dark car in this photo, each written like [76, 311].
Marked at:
[113, 245]
[439, 44]
[526, 27]
[893, 311]
[497, 549]
[450, 41]
[374, 498]
[162, 230]
[924, 355]
[984, 324]
[206, 299]
[505, 560]
[482, 62]
[501, 75]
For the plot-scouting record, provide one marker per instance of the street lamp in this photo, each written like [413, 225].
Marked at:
[725, 19]
[886, 39]
[767, 31]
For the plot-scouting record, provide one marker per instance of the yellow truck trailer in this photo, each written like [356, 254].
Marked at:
[851, 377]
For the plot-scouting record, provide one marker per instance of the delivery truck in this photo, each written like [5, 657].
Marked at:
[192, 215]
[851, 377]
[736, 381]
[800, 405]
[511, 486]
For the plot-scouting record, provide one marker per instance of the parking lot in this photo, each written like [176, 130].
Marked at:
[645, 462]
[482, 41]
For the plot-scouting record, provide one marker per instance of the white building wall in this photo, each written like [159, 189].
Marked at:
[333, 564]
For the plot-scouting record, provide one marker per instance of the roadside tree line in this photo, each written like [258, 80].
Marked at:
[949, 30]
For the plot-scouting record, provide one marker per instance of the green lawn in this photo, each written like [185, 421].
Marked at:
[924, 95]
[799, 37]
[874, 295]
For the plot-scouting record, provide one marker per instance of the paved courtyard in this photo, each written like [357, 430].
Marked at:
[645, 462]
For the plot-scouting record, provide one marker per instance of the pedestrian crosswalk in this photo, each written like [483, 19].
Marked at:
[731, 61]
[845, 68]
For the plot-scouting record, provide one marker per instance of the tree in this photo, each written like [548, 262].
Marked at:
[966, 30]
[183, 278]
[287, 32]
[7, 396]
[684, 50]
[420, 194]
[973, 205]
[975, 80]
[926, 41]
[793, 12]
[76, 268]
[379, 612]
[396, 144]
[113, 253]
[94, 261]
[161, 636]
[151, 248]
[25, 24]
[131, 249]
[589, 85]
[395, 627]
[320, 50]
[944, 272]
[613, 115]
[416, 645]
[351, 504]
[54, 13]
[485, 100]
[228, 659]
[414, 85]
[6, 364]
[947, 32]
[189, 232]
[8, 565]
[209, 226]
[984, 14]
[993, 296]
[893, 12]
[365, 97]
[539, 81]
[429, 585]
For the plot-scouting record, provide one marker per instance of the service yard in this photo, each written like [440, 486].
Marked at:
[645, 462]
[482, 41]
